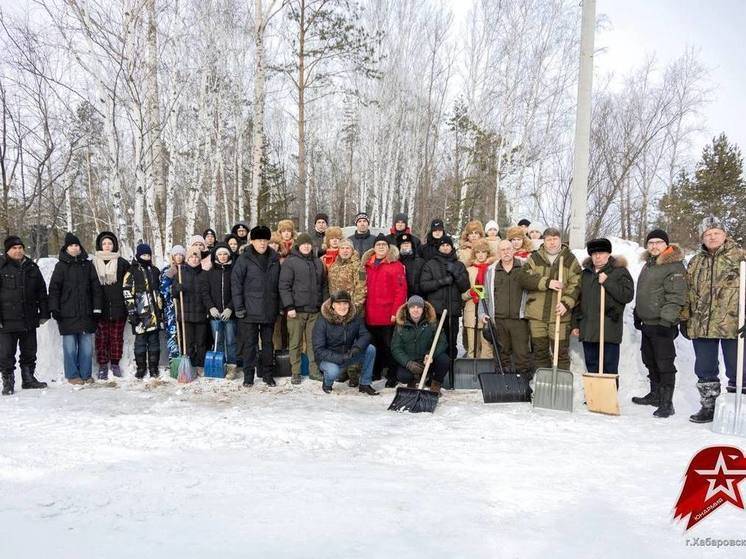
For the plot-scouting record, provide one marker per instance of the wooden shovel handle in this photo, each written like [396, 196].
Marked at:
[432, 349]
[555, 357]
[601, 336]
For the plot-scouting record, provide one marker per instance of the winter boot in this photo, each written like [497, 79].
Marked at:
[326, 387]
[353, 371]
[708, 393]
[28, 380]
[154, 358]
[103, 372]
[295, 379]
[231, 372]
[367, 389]
[141, 362]
[116, 370]
[665, 406]
[652, 398]
[248, 377]
[269, 380]
[8, 383]
[391, 382]
[435, 386]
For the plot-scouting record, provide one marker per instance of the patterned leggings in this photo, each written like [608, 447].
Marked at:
[109, 341]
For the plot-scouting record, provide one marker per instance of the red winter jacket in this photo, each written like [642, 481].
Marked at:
[387, 287]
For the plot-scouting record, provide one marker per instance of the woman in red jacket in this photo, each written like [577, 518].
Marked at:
[386, 280]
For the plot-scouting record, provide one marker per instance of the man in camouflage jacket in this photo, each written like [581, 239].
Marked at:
[713, 312]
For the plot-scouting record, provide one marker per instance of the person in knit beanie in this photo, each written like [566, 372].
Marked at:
[401, 226]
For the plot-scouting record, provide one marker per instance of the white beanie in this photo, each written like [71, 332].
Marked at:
[491, 224]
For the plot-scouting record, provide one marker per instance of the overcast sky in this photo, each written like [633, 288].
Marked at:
[666, 27]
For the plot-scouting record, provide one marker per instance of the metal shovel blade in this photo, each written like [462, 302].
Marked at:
[553, 389]
[729, 415]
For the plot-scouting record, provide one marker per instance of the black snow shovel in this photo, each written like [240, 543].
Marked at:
[497, 386]
[416, 400]
[466, 370]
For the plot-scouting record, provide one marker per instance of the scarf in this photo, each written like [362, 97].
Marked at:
[106, 267]
[481, 273]
[330, 256]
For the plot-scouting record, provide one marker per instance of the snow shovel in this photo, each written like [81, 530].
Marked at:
[729, 416]
[173, 365]
[497, 386]
[466, 370]
[416, 400]
[600, 389]
[215, 362]
[553, 388]
[186, 371]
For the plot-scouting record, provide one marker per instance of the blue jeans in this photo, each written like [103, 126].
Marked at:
[366, 359]
[225, 333]
[77, 351]
[591, 351]
[706, 364]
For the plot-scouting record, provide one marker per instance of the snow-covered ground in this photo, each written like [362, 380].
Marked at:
[158, 469]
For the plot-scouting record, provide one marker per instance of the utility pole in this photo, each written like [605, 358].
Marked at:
[579, 191]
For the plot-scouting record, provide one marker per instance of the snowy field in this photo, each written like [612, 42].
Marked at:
[210, 469]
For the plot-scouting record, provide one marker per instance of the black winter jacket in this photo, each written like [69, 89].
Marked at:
[75, 294]
[254, 286]
[23, 295]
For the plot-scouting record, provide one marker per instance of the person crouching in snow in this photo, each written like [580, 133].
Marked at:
[602, 269]
[75, 300]
[145, 310]
[416, 325]
[216, 293]
[340, 340]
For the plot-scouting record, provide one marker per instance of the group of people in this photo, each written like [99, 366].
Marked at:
[367, 306]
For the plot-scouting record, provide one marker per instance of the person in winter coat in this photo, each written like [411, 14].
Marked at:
[110, 269]
[194, 311]
[444, 280]
[241, 231]
[522, 245]
[172, 319]
[347, 274]
[472, 233]
[492, 234]
[198, 242]
[540, 277]
[256, 303]
[713, 275]
[218, 300]
[340, 340]
[401, 227]
[601, 269]
[23, 308]
[412, 263]
[330, 247]
[318, 235]
[302, 283]
[362, 239]
[387, 290]
[75, 302]
[210, 238]
[661, 296]
[477, 267]
[505, 301]
[429, 248]
[286, 231]
[144, 309]
[416, 325]
[232, 241]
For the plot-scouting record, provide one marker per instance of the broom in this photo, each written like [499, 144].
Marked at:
[186, 371]
[416, 400]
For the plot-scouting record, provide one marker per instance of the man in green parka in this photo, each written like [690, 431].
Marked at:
[713, 312]
[540, 278]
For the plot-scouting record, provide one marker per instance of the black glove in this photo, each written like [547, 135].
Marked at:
[637, 321]
[176, 289]
[241, 314]
[416, 368]
[663, 331]
[56, 315]
[43, 321]
[448, 280]
[742, 331]
[452, 268]
[684, 329]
